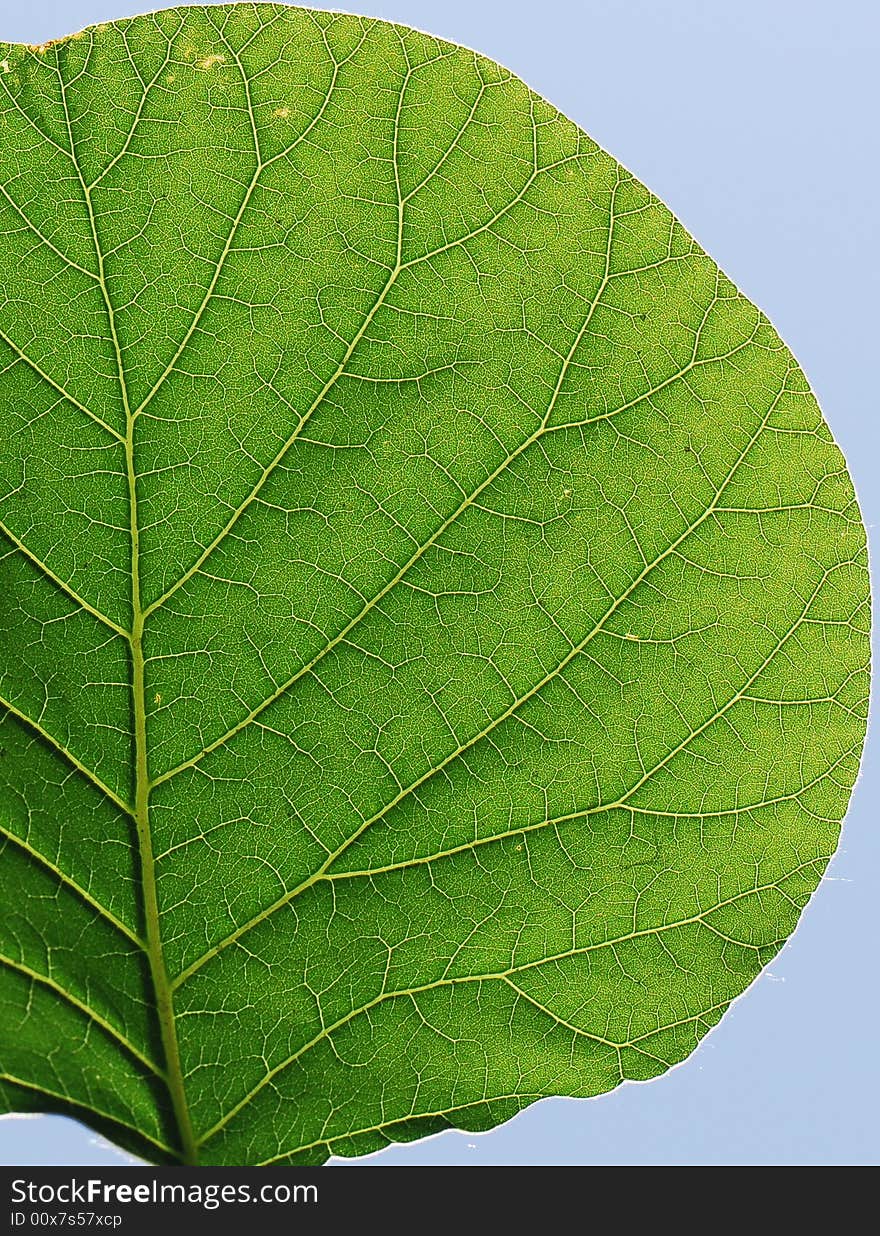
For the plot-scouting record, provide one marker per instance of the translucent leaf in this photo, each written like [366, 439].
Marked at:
[434, 640]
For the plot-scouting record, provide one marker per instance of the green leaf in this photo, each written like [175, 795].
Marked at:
[434, 640]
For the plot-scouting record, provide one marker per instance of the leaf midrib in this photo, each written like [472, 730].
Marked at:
[172, 1073]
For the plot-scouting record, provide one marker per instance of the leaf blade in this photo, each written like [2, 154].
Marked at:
[490, 572]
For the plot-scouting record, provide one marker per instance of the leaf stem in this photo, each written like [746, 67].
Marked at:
[155, 952]
[158, 971]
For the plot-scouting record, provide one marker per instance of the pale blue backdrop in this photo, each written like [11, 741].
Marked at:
[756, 123]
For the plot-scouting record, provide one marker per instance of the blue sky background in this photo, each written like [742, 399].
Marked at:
[756, 123]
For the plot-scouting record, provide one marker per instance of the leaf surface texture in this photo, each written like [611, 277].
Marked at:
[434, 625]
